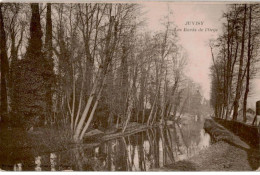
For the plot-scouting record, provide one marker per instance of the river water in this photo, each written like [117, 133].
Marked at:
[142, 151]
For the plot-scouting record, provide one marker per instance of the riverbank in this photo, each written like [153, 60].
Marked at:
[227, 153]
[17, 144]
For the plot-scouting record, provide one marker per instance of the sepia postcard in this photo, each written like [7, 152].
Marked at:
[129, 86]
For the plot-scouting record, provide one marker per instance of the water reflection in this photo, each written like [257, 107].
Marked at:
[18, 167]
[53, 161]
[38, 163]
[143, 151]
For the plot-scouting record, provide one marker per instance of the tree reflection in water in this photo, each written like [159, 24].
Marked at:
[143, 151]
[18, 167]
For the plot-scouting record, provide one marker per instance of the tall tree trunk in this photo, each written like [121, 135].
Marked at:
[248, 65]
[49, 77]
[239, 78]
[231, 79]
[4, 69]
[124, 79]
[228, 71]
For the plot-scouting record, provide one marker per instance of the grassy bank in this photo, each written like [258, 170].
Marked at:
[227, 153]
[17, 144]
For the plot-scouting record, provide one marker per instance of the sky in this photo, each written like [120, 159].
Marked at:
[195, 43]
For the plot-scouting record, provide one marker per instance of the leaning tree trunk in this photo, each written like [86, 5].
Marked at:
[129, 110]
